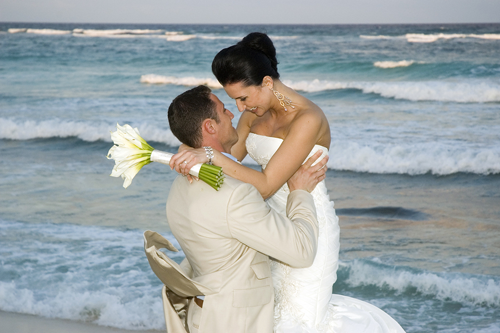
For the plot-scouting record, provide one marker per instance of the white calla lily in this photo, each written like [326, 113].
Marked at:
[131, 152]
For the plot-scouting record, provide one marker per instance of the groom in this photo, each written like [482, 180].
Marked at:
[229, 235]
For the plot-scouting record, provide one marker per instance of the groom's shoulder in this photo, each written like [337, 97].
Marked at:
[233, 183]
[201, 188]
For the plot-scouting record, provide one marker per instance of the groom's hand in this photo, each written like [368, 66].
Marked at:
[308, 176]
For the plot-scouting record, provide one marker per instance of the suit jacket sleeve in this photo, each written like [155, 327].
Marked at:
[292, 240]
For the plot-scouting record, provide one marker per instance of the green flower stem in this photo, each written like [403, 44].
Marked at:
[143, 163]
[212, 184]
[209, 176]
[212, 175]
[211, 169]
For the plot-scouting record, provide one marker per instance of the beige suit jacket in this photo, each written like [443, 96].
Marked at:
[228, 237]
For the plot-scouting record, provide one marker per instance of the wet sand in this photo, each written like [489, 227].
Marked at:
[22, 323]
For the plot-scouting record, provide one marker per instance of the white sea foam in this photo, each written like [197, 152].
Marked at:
[403, 158]
[185, 81]
[96, 32]
[30, 129]
[424, 38]
[213, 37]
[48, 31]
[393, 64]
[431, 38]
[86, 131]
[410, 159]
[274, 37]
[178, 38]
[413, 159]
[465, 289]
[471, 91]
[39, 31]
[487, 36]
[112, 32]
[171, 36]
[174, 36]
[16, 31]
[380, 37]
[84, 273]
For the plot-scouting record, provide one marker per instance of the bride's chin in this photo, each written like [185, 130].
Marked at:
[258, 112]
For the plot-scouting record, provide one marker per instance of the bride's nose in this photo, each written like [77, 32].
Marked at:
[240, 105]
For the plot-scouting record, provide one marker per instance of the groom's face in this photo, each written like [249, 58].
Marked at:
[226, 133]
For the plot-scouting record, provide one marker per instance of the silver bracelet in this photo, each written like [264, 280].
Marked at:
[210, 154]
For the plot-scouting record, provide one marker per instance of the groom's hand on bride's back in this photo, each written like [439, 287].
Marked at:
[308, 176]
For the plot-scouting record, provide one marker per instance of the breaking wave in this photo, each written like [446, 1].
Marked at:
[43, 31]
[471, 91]
[175, 36]
[86, 131]
[83, 273]
[462, 288]
[414, 159]
[410, 158]
[431, 38]
[393, 64]
[185, 81]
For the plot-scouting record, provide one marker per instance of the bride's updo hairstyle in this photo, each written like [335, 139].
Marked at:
[248, 61]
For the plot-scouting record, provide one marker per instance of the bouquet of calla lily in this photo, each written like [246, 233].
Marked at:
[131, 152]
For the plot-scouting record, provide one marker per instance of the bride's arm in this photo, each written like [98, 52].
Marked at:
[239, 150]
[301, 138]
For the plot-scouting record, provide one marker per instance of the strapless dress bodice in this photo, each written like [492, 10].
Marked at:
[261, 148]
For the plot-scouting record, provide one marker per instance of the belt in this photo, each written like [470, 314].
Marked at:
[198, 302]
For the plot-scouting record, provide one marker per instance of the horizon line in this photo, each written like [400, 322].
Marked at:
[253, 24]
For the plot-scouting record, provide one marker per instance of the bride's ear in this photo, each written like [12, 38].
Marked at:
[268, 82]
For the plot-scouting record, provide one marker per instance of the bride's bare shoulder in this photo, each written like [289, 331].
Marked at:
[312, 119]
[310, 113]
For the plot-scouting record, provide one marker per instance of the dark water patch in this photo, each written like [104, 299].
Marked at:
[391, 213]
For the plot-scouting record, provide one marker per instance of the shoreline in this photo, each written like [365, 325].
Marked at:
[12, 322]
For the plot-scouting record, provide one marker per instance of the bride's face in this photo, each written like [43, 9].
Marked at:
[253, 99]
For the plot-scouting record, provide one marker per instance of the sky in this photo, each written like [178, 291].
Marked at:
[251, 12]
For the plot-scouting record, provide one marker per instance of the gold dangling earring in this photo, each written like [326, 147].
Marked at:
[283, 99]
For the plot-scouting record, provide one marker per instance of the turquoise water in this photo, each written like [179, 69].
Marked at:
[414, 167]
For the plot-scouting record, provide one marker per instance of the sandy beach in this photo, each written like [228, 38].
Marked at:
[23, 323]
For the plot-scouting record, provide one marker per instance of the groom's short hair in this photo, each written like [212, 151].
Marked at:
[187, 113]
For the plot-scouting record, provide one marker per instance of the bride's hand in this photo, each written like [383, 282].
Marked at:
[186, 158]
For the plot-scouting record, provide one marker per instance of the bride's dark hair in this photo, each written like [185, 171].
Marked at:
[248, 61]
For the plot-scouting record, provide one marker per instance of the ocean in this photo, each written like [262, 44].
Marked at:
[414, 167]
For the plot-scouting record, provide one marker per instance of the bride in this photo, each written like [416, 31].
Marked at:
[280, 129]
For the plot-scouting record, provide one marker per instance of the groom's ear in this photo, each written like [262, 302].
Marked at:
[208, 126]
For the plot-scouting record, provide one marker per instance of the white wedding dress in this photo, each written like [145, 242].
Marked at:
[304, 302]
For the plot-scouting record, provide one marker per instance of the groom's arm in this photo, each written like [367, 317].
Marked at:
[292, 240]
